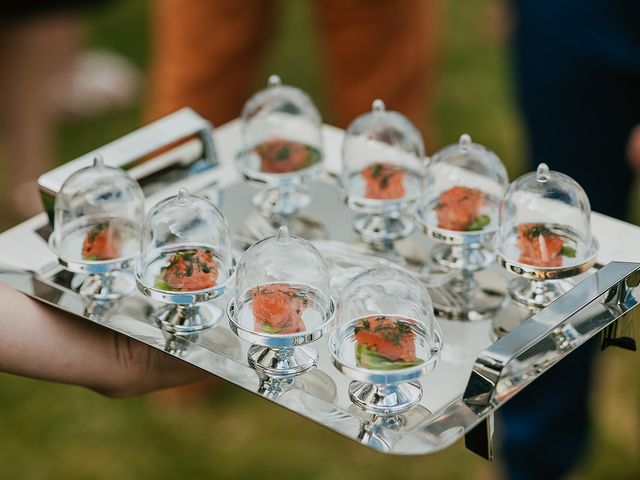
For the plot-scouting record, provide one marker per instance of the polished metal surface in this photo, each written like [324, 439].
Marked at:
[385, 400]
[450, 237]
[537, 293]
[542, 273]
[107, 286]
[472, 293]
[470, 297]
[596, 302]
[130, 151]
[473, 378]
[176, 318]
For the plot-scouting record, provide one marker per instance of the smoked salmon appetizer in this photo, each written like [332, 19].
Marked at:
[540, 247]
[188, 271]
[102, 242]
[458, 209]
[278, 309]
[383, 181]
[385, 343]
[285, 156]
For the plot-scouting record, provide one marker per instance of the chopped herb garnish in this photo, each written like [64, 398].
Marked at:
[367, 357]
[95, 230]
[186, 264]
[384, 183]
[568, 251]
[162, 285]
[296, 295]
[283, 153]
[536, 231]
[389, 331]
[313, 156]
[271, 330]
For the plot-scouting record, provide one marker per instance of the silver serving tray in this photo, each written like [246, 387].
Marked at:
[474, 377]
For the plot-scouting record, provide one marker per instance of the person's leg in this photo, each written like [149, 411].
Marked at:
[34, 54]
[206, 55]
[578, 111]
[578, 105]
[545, 428]
[384, 49]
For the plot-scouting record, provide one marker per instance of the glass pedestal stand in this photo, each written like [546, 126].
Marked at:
[534, 289]
[104, 281]
[282, 362]
[284, 200]
[106, 287]
[537, 293]
[186, 312]
[185, 318]
[462, 297]
[380, 229]
[384, 392]
[385, 399]
[258, 225]
[279, 355]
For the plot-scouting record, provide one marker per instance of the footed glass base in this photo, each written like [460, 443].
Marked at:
[385, 399]
[472, 257]
[381, 229]
[282, 362]
[537, 293]
[469, 296]
[186, 318]
[107, 286]
[179, 344]
[258, 226]
[283, 200]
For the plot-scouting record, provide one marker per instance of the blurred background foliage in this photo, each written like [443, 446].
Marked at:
[56, 431]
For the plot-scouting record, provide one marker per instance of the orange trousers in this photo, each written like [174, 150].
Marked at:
[207, 54]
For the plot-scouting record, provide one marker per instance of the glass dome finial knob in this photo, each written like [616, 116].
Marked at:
[464, 142]
[274, 81]
[542, 173]
[98, 161]
[184, 197]
[383, 268]
[283, 235]
[378, 105]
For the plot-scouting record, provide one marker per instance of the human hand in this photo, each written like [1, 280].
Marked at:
[39, 341]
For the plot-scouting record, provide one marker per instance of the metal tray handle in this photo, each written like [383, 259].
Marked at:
[596, 304]
[126, 152]
[593, 304]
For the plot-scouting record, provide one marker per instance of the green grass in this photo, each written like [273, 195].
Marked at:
[56, 431]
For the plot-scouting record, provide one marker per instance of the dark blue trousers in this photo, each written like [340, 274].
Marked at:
[577, 71]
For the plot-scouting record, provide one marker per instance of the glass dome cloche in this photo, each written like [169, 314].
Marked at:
[185, 261]
[545, 235]
[386, 338]
[281, 132]
[97, 216]
[382, 173]
[282, 303]
[464, 184]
